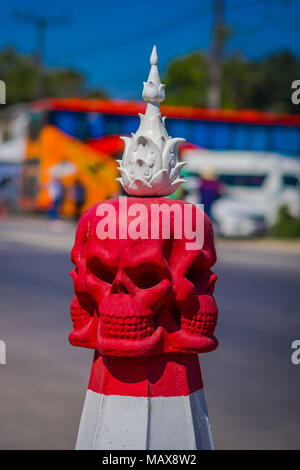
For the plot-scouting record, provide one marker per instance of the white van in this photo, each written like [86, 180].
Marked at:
[256, 185]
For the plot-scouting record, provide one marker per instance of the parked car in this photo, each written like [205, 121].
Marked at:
[256, 185]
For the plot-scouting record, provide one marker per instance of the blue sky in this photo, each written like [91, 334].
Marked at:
[110, 41]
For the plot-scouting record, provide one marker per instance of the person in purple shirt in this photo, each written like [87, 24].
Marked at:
[210, 189]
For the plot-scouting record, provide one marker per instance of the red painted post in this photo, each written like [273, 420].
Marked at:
[144, 302]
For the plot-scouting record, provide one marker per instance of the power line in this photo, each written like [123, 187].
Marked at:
[129, 37]
[142, 34]
[214, 93]
[145, 33]
[255, 3]
[40, 23]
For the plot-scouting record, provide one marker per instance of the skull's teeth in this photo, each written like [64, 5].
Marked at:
[128, 328]
[79, 317]
[200, 324]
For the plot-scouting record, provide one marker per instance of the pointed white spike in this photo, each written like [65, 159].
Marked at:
[120, 181]
[178, 180]
[151, 151]
[154, 57]
[154, 91]
[125, 138]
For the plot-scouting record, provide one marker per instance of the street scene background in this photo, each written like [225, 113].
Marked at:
[251, 385]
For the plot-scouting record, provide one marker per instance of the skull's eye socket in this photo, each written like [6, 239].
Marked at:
[146, 276]
[204, 281]
[193, 274]
[101, 271]
[85, 301]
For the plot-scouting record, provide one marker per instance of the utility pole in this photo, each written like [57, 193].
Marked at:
[214, 93]
[40, 23]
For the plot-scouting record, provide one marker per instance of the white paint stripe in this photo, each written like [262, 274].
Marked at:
[88, 422]
[203, 436]
[115, 422]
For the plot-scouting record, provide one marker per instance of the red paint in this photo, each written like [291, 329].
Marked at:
[110, 144]
[132, 108]
[156, 376]
[143, 297]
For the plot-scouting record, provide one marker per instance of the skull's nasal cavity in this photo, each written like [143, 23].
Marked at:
[119, 288]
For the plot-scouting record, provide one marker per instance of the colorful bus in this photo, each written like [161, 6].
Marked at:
[79, 139]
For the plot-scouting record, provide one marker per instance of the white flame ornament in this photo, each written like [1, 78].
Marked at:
[150, 166]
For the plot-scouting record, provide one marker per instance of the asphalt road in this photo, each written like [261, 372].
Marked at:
[252, 388]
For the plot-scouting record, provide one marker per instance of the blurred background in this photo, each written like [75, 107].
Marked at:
[73, 73]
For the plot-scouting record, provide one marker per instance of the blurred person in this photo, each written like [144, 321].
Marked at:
[56, 193]
[210, 189]
[79, 197]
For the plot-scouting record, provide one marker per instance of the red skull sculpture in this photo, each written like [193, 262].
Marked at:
[143, 296]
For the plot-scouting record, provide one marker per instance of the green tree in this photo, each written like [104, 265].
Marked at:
[186, 80]
[25, 80]
[263, 85]
[19, 75]
[240, 84]
[63, 82]
[279, 71]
